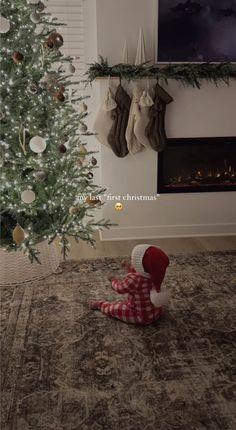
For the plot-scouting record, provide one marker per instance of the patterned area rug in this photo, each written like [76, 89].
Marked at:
[65, 367]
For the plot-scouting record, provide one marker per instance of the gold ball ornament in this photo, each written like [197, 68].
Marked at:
[73, 210]
[83, 107]
[82, 152]
[18, 234]
[18, 57]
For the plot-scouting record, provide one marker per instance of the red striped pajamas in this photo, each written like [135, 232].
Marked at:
[137, 309]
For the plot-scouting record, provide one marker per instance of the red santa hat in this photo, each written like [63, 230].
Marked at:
[152, 262]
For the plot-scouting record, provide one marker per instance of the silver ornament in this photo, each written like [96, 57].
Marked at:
[33, 89]
[83, 128]
[71, 68]
[40, 176]
[35, 17]
[90, 175]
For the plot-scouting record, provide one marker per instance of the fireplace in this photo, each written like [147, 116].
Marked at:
[203, 164]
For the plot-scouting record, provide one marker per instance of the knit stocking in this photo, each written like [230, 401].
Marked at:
[105, 119]
[155, 130]
[142, 119]
[116, 137]
[133, 143]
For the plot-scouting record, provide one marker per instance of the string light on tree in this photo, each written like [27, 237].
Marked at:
[41, 127]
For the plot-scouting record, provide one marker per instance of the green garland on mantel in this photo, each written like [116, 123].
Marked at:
[189, 74]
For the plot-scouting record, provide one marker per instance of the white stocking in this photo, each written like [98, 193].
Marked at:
[143, 119]
[105, 119]
[133, 143]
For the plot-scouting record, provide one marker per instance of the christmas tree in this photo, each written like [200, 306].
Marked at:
[46, 188]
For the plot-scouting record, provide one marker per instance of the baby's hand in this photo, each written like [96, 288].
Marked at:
[124, 264]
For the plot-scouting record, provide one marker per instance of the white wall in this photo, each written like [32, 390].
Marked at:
[206, 112]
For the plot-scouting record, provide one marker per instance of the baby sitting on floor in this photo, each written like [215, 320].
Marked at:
[143, 286]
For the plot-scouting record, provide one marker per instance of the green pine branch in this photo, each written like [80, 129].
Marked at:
[188, 74]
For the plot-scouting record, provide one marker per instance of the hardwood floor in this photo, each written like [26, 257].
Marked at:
[170, 246]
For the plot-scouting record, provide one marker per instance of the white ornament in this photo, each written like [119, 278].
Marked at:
[71, 68]
[35, 17]
[37, 144]
[4, 25]
[28, 196]
[83, 128]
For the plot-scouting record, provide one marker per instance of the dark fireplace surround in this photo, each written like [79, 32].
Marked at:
[205, 164]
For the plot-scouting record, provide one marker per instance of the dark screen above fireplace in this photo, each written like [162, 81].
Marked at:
[197, 165]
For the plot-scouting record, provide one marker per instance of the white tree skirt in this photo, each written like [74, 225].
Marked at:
[16, 268]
